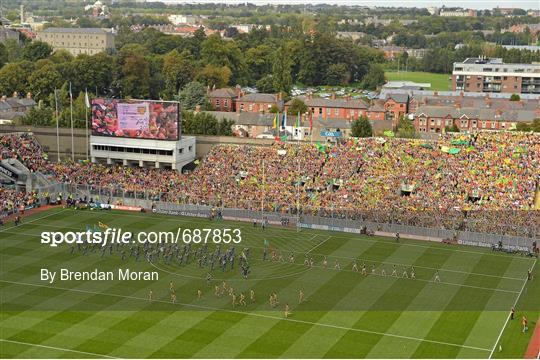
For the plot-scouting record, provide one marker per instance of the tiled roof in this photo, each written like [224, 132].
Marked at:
[222, 93]
[76, 30]
[258, 98]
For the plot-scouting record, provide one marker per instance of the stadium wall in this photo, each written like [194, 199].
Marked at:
[47, 138]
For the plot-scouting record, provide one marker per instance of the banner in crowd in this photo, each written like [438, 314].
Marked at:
[139, 119]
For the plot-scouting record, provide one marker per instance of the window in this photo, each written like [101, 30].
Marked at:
[190, 148]
[181, 150]
[484, 124]
[336, 111]
[241, 106]
[217, 102]
[225, 103]
[493, 124]
[250, 107]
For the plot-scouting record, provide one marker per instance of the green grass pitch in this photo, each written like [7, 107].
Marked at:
[345, 314]
[439, 82]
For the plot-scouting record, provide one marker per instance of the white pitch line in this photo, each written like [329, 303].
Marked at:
[340, 235]
[33, 220]
[210, 308]
[58, 348]
[319, 244]
[508, 317]
[341, 257]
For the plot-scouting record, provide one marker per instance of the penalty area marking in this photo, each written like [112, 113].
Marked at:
[319, 244]
[57, 348]
[33, 220]
[211, 308]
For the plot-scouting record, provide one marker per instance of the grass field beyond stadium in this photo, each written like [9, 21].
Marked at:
[345, 314]
[438, 82]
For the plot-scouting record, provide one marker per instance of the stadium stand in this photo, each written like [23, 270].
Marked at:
[484, 182]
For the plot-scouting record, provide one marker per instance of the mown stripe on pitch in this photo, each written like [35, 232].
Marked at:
[487, 327]
[320, 302]
[421, 314]
[40, 295]
[455, 322]
[191, 338]
[364, 292]
[386, 310]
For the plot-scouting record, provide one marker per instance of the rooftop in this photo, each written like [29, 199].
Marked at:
[76, 30]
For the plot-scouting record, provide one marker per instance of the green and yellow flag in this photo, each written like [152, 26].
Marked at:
[276, 121]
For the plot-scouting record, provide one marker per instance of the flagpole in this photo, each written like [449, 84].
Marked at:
[71, 116]
[262, 197]
[86, 101]
[57, 126]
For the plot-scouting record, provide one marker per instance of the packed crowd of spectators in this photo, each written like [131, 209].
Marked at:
[484, 182]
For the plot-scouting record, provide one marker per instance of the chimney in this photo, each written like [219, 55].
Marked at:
[461, 94]
[310, 95]
[435, 93]
[29, 95]
[333, 96]
[4, 97]
[197, 108]
[15, 94]
[207, 89]
[214, 87]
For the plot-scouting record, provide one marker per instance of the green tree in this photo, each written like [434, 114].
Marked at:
[338, 74]
[536, 125]
[259, 61]
[4, 56]
[134, 76]
[36, 50]
[361, 127]
[205, 124]
[452, 128]
[514, 97]
[523, 127]
[373, 78]
[281, 70]
[297, 106]
[219, 53]
[178, 71]
[14, 50]
[43, 81]
[266, 84]
[192, 95]
[14, 77]
[211, 75]
[405, 128]
[39, 116]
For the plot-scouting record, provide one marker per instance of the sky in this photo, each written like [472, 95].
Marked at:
[476, 4]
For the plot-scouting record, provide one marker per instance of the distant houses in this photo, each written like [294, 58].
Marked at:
[15, 107]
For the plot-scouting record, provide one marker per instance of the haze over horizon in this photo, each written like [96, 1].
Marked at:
[478, 4]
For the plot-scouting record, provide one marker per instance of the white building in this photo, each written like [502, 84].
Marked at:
[146, 153]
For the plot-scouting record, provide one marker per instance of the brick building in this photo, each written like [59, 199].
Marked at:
[224, 99]
[257, 102]
[435, 118]
[395, 106]
[345, 109]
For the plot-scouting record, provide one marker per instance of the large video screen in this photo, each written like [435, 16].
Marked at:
[138, 119]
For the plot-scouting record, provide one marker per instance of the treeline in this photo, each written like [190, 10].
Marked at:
[150, 64]
[441, 60]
